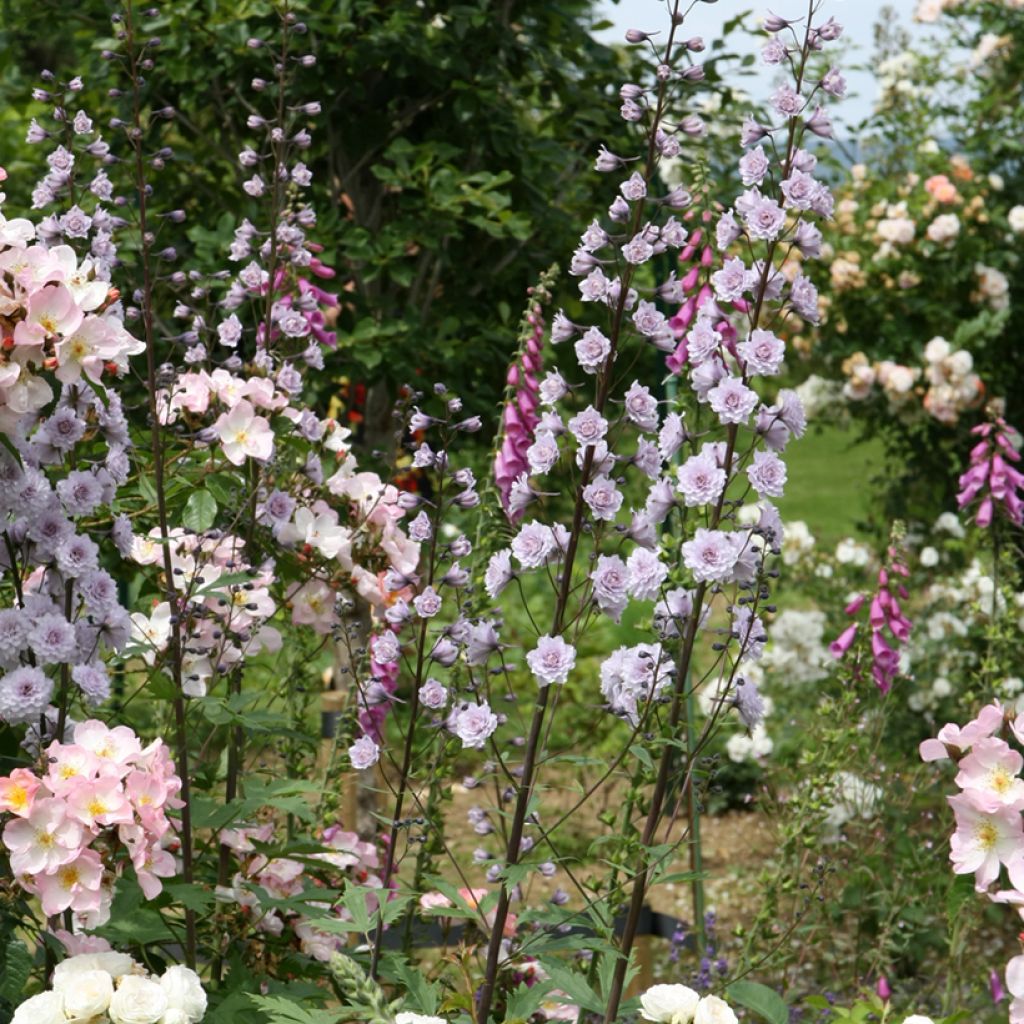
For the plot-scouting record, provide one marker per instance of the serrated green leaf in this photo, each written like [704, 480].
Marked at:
[282, 1010]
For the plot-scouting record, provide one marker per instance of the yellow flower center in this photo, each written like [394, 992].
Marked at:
[68, 876]
[987, 835]
[17, 798]
[1000, 780]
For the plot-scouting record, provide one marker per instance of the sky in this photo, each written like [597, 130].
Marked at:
[856, 16]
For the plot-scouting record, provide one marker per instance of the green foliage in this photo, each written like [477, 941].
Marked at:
[765, 1002]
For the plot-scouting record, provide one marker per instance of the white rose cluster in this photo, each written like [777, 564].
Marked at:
[679, 1004]
[111, 988]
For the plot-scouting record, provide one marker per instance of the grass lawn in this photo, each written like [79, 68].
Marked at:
[829, 482]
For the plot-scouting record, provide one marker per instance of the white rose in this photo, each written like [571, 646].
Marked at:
[1016, 219]
[137, 1001]
[45, 1008]
[961, 363]
[86, 993]
[115, 964]
[945, 227]
[917, 1018]
[929, 557]
[175, 1017]
[673, 1004]
[712, 1010]
[418, 1018]
[937, 349]
[184, 992]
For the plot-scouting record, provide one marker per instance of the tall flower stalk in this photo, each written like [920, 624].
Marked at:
[136, 51]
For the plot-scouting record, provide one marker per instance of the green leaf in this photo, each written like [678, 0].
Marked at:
[17, 968]
[421, 994]
[281, 1010]
[200, 511]
[193, 896]
[574, 986]
[765, 1002]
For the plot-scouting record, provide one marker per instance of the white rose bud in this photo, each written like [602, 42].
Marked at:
[669, 1004]
[184, 992]
[712, 1010]
[137, 1001]
[418, 1018]
[45, 1008]
[87, 994]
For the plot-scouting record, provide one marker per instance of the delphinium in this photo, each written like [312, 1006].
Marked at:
[240, 514]
[268, 533]
[579, 551]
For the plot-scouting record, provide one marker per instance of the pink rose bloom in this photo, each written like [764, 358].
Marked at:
[989, 721]
[99, 802]
[44, 840]
[119, 745]
[75, 885]
[313, 606]
[983, 840]
[435, 901]
[991, 774]
[243, 434]
[18, 791]
[51, 311]
[152, 862]
[1015, 983]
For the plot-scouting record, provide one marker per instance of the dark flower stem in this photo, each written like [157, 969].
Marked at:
[137, 137]
[533, 743]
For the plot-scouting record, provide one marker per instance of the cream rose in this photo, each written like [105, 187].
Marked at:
[86, 993]
[138, 1001]
[944, 228]
[184, 992]
[45, 1008]
[115, 964]
[712, 1010]
[669, 1004]
[1016, 219]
